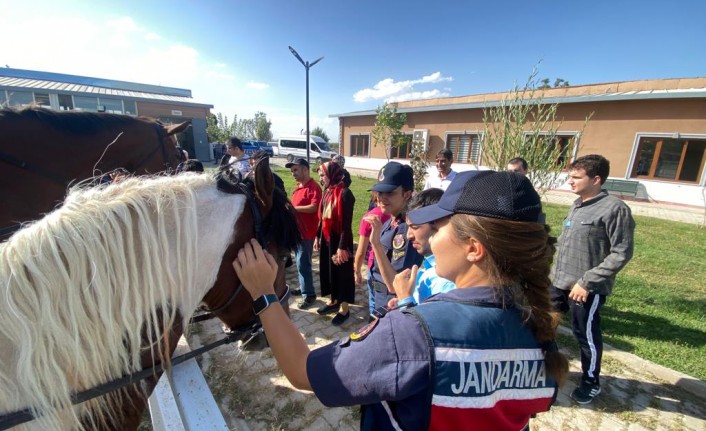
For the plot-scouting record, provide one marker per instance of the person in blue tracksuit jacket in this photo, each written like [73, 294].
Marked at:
[481, 356]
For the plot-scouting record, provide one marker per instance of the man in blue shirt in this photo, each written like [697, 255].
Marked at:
[426, 282]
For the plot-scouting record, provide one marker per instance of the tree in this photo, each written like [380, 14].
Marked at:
[418, 156]
[523, 125]
[318, 131]
[244, 128]
[218, 129]
[388, 126]
[558, 82]
[262, 127]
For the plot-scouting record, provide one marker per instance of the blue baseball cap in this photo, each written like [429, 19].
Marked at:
[394, 175]
[501, 195]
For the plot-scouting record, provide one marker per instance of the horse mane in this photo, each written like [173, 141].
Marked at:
[76, 122]
[111, 272]
[281, 224]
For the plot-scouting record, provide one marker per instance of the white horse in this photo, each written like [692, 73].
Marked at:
[93, 286]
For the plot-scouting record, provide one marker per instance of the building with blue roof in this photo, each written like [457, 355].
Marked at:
[58, 91]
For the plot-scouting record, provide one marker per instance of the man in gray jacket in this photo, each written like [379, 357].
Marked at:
[596, 242]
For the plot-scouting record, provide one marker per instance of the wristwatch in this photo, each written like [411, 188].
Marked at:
[260, 304]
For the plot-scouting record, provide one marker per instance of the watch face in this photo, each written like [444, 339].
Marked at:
[261, 303]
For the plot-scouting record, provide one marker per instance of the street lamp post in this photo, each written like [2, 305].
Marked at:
[306, 65]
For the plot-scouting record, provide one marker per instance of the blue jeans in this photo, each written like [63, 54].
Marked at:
[303, 256]
[371, 294]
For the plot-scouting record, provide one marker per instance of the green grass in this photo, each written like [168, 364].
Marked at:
[658, 307]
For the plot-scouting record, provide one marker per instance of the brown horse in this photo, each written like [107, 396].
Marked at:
[102, 287]
[43, 152]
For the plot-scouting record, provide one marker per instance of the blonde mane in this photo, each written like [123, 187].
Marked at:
[82, 286]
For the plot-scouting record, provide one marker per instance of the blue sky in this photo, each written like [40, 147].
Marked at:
[234, 54]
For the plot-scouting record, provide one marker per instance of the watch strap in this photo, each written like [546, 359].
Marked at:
[262, 303]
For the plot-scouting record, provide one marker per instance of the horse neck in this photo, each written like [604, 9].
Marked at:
[218, 214]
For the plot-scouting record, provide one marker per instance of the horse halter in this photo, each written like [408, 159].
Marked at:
[161, 136]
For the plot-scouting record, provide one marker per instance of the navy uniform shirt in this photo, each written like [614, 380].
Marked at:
[398, 248]
[389, 362]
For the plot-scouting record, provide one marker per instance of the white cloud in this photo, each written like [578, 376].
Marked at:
[213, 74]
[124, 24]
[257, 85]
[391, 90]
[152, 36]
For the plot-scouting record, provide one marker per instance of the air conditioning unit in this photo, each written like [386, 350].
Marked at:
[421, 135]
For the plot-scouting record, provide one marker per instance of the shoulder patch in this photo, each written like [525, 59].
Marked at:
[398, 241]
[363, 332]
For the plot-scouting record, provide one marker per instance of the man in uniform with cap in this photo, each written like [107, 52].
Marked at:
[393, 251]
[305, 199]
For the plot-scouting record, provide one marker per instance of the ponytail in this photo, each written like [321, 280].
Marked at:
[519, 257]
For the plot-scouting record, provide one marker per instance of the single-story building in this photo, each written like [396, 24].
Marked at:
[19, 88]
[653, 132]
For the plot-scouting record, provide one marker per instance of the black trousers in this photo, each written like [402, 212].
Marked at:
[586, 323]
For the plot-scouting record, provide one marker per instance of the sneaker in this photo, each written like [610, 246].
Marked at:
[586, 392]
[340, 318]
[296, 292]
[371, 318]
[306, 302]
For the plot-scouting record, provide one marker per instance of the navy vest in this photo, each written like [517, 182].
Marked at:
[487, 370]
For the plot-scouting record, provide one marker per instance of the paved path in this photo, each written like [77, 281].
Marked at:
[254, 395]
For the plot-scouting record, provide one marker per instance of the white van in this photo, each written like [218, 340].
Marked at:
[295, 146]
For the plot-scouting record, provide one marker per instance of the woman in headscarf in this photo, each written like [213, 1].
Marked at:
[334, 242]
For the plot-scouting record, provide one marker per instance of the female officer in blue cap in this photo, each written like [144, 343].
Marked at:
[481, 356]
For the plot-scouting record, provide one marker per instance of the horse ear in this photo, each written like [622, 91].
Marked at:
[173, 129]
[264, 184]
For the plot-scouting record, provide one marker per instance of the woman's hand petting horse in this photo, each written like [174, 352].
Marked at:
[256, 269]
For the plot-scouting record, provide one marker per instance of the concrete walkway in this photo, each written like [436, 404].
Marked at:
[254, 395]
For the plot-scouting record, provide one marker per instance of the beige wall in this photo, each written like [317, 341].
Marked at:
[150, 109]
[610, 132]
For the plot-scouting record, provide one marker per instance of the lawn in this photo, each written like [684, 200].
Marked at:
[658, 307]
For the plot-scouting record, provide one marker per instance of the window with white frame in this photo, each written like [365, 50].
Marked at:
[360, 145]
[566, 143]
[66, 102]
[20, 99]
[466, 147]
[42, 99]
[130, 107]
[113, 106]
[674, 159]
[86, 103]
[402, 149]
